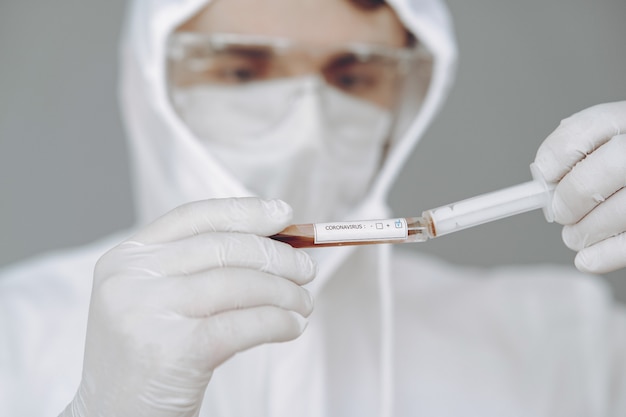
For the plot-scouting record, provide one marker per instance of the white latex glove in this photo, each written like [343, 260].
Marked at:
[586, 155]
[180, 297]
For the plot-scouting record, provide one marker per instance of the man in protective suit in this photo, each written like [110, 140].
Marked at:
[246, 116]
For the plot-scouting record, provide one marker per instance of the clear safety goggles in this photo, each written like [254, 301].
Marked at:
[369, 72]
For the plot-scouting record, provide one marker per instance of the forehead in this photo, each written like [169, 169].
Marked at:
[311, 21]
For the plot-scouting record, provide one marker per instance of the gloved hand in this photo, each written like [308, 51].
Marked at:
[586, 155]
[182, 296]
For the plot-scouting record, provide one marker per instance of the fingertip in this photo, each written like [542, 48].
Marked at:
[604, 256]
[278, 209]
[599, 259]
[586, 263]
[302, 322]
[289, 325]
[547, 164]
[309, 303]
[572, 238]
[562, 212]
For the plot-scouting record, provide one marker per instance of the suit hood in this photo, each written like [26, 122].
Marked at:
[170, 166]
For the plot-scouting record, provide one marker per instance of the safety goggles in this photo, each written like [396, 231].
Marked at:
[369, 72]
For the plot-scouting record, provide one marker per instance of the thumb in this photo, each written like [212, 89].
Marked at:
[244, 215]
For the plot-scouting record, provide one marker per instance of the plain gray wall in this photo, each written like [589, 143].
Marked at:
[524, 65]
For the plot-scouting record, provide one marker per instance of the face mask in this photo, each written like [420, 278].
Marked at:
[295, 139]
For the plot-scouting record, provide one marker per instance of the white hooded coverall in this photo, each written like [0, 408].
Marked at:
[392, 333]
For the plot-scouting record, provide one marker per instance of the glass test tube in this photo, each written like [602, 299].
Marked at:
[399, 230]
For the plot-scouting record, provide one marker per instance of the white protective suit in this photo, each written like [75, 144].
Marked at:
[392, 333]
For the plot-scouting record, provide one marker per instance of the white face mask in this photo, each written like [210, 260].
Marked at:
[295, 139]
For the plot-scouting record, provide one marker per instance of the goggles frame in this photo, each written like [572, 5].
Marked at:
[369, 71]
[180, 44]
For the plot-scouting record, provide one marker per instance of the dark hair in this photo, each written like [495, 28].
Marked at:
[368, 4]
[375, 4]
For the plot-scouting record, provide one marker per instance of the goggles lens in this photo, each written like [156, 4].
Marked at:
[369, 72]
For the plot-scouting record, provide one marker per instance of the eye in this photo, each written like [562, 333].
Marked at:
[357, 76]
[236, 72]
[229, 66]
[351, 80]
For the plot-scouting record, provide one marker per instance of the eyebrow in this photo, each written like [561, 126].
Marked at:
[345, 59]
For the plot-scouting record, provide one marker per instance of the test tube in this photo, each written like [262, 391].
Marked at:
[432, 223]
[360, 232]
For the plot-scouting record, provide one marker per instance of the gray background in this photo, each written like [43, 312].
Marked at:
[524, 65]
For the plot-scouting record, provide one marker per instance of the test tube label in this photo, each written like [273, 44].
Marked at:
[361, 231]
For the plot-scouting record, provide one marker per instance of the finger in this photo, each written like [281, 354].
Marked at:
[211, 251]
[247, 215]
[591, 181]
[217, 291]
[578, 136]
[606, 220]
[237, 330]
[605, 256]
